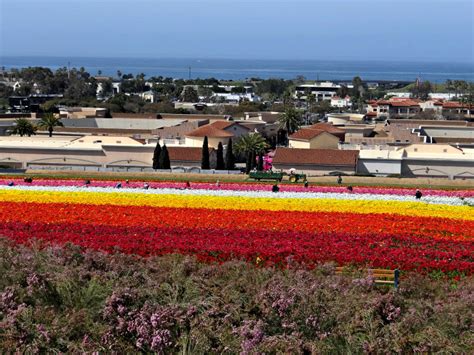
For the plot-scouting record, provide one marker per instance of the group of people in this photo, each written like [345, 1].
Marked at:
[275, 187]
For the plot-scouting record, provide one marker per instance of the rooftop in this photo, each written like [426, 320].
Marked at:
[185, 154]
[210, 131]
[306, 134]
[327, 128]
[333, 157]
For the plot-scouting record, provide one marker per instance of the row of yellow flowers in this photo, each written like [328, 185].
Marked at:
[418, 209]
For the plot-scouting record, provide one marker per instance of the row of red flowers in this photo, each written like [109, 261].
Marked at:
[382, 240]
[360, 224]
[273, 247]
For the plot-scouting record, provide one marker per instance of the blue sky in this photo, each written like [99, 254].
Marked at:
[416, 30]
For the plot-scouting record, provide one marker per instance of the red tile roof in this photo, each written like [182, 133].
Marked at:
[455, 104]
[327, 128]
[185, 154]
[222, 124]
[316, 157]
[404, 103]
[306, 134]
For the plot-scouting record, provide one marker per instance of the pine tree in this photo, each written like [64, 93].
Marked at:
[220, 165]
[229, 156]
[260, 162]
[164, 160]
[205, 165]
[156, 156]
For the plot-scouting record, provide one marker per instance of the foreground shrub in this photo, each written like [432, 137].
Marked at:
[73, 300]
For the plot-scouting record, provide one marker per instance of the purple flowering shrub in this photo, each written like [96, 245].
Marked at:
[66, 299]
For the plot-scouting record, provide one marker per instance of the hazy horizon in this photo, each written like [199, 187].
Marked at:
[420, 61]
[339, 30]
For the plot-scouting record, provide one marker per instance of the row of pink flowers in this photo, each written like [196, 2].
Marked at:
[238, 187]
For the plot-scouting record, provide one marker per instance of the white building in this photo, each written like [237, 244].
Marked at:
[341, 102]
[322, 91]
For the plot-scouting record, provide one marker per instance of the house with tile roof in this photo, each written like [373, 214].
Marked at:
[393, 108]
[218, 131]
[189, 156]
[317, 136]
[316, 161]
[307, 138]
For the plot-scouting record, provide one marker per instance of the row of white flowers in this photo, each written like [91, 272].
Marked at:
[443, 200]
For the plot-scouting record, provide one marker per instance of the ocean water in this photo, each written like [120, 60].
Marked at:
[239, 69]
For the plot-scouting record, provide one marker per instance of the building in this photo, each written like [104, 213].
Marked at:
[316, 161]
[234, 99]
[322, 91]
[393, 108]
[29, 103]
[82, 112]
[341, 102]
[188, 157]
[216, 132]
[307, 138]
[90, 153]
[419, 160]
[341, 119]
[264, 116]
[458, 110]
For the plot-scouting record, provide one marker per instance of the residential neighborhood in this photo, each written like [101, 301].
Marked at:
[315, 130]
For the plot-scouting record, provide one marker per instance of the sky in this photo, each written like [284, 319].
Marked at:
[402, 30]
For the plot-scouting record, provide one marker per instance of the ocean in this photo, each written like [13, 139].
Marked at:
[240, 69]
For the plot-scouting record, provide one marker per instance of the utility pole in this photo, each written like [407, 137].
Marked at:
[69, 70]
[189, 73]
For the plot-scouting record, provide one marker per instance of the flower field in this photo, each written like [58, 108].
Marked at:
[376, 227]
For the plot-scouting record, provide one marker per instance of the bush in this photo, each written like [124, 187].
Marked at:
[72, 300]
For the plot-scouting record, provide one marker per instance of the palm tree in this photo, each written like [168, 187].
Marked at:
[23, 127]
[251, 145]
[49, 121]
[289, 120]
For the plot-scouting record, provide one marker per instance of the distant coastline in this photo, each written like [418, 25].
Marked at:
[240, 69]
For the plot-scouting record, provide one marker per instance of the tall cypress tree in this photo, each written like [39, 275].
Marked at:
[229, 156]
[253, 160]
[220, 165]
[260, 162]
[205, 164]
[156, 156]
[165, 158]
[248, 163]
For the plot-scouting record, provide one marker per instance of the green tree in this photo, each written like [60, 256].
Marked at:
[289, 120]
[220, 165]
[48, 122]
[421, 90]
[190, 95]
[23, 127]
[229, 156]
[156, 156]
[205, 164]
[164, 161]
[250, 145]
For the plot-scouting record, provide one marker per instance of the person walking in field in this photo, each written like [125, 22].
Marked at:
[418, 194]
[339, 179]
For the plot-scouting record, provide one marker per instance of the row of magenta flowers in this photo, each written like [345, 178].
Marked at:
[239, 187]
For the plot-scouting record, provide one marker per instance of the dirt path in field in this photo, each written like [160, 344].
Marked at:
[323, 180]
